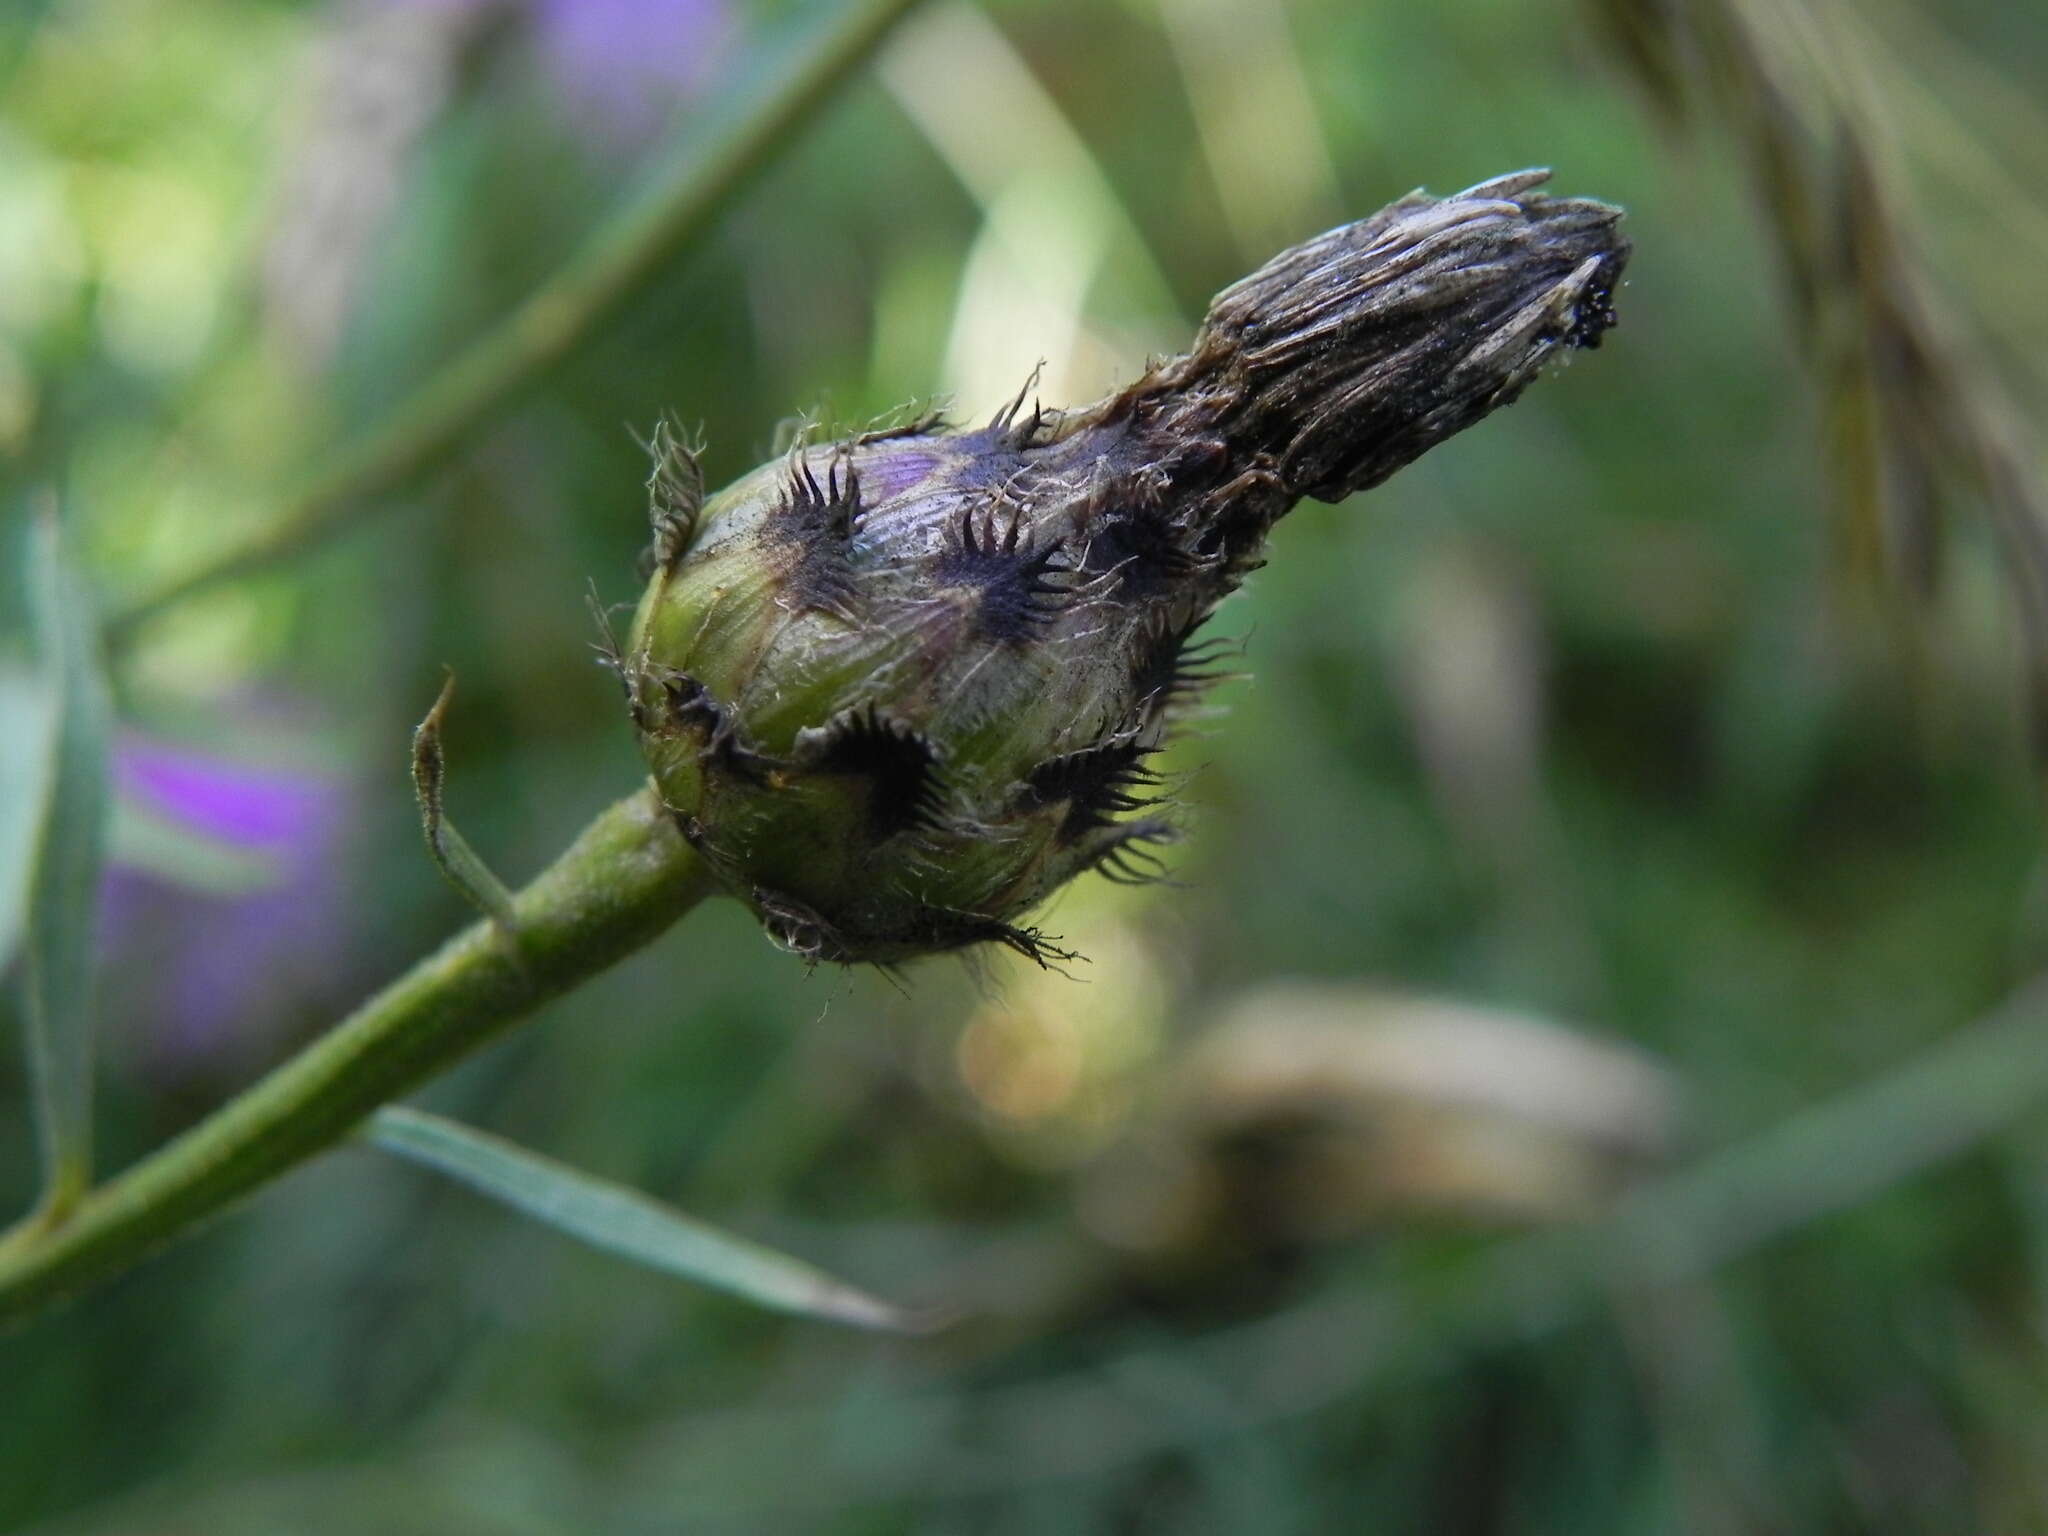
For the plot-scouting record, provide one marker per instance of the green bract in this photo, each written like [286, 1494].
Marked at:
[898, 688]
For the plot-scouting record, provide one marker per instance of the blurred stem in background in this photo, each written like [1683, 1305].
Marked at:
[613, 266]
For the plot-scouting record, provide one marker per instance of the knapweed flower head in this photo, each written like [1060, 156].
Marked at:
[897, 689]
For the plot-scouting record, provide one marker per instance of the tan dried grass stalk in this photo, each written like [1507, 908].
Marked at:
[1920, 419]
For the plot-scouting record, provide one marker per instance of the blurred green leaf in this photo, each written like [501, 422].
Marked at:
[25, 719]
[143, 839]
[629, 1224]
[70, 837]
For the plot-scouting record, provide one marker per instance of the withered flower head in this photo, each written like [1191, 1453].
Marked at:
[897, 689]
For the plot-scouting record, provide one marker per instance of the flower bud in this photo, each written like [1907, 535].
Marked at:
[897, 689]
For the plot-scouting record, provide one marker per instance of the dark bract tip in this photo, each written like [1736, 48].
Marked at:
[1347, 357]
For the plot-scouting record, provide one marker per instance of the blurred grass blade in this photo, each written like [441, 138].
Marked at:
[177, 853]
[627, 1223]
[1920, 421]
[57, 959]
[25, 718]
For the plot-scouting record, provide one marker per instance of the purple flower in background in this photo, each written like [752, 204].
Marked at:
[224, 907]
[623, 64]
[259, 808]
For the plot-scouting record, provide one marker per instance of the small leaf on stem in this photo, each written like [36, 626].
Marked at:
[462, 864]
[630, 1224]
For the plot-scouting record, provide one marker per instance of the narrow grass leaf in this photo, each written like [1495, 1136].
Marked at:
[57, 957]
[25, 720]
[179, 854]
[628, 1223]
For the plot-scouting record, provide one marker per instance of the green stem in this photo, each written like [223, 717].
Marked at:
[568, 310]
[626, 879]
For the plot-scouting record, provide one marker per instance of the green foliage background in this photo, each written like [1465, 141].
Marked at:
[1628, 709]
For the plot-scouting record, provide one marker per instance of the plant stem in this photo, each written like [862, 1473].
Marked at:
[625, 879]
[618, 260]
